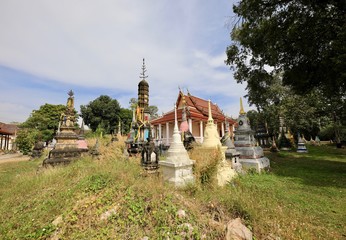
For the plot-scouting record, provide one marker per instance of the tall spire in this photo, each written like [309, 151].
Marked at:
[241, 112]
[176, 130]
[210, 117]
[142, 74]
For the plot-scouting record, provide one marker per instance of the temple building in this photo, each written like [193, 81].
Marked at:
[8, 133]
[194, 110]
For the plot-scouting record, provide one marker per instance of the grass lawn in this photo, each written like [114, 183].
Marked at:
[302, 197]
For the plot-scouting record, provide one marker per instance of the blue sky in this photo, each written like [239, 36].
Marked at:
[96, 48]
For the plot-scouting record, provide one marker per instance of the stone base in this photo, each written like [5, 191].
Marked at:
[259, 164]
[55, 161]
[302, 150]
[225, 173]
[179, 174]
[66, 153]
[62, 156]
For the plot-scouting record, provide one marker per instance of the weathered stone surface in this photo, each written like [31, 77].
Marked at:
[181, 213]
[251, 156]
[66, 148]
[107, 214]
[57, 221]
[237, 231]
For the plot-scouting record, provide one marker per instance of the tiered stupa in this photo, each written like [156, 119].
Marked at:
[231, 153]
[211, 141]
[177, 168]
[301, 145]
[66, 147]
[251, 156]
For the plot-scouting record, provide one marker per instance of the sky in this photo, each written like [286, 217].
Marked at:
[96, 48]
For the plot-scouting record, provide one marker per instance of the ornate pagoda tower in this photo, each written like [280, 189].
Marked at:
[143, 114]
[251, 156]
[66, 148]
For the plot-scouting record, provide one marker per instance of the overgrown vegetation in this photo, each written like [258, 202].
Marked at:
[113, 198]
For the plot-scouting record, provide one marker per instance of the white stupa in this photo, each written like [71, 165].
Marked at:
[177, 168]
[225, 172]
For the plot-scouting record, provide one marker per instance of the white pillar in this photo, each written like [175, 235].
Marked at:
[201, 130]
[222, 129]
[190, 124]
[167, 133]
[160, 134]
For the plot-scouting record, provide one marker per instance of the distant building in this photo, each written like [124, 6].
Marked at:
[8, 133]
[196, 110]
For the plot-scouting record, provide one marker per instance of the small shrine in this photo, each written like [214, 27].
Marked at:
[231, 153]
[225, 172]
[284, 142]
[66, 147]
[177, 168]
[262, 135]
[251, 156]
[301, 145]
[188, 138]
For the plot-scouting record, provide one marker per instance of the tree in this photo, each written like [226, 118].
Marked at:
[103, 111]
[126, 119]
[152, 109]
[304, 40]
[26, 139]
[45, 120]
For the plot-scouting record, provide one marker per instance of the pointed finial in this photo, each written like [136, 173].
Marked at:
[175, 119]
[70, 93]
[241, 112]
[142, 74]
[210, 117]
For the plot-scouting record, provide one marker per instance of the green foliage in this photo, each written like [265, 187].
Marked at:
[152, 109]
[26, 139]
[302, 197]
[281, 48]
[103, 111]
[45, 120]
[304, 40]
[126, 119]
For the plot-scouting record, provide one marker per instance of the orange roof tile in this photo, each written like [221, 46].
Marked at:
[197, 109]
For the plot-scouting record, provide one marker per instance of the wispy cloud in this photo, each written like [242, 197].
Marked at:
[97, 48]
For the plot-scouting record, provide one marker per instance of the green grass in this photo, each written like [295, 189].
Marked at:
[302, 197]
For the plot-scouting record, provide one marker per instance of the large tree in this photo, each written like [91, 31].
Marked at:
[302, 40]
[102, 112]
[45, 120]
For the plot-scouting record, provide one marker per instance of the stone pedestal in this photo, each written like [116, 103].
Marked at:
[301, 146]
[231, 153]
[66, 147]
[177, 168]
[251, 156]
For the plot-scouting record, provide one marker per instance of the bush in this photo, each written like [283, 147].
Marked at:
[26, 139]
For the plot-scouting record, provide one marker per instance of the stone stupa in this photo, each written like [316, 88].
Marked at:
[231, 153]
[66, 147]
[177, 168]
[251, 156]
[301, 148]
[211, 141]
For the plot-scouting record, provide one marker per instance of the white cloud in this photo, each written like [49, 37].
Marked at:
[101, 45]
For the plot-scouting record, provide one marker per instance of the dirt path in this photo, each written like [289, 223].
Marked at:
[16, 157]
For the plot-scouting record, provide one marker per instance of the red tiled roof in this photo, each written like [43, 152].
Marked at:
[8, 129]
[197, 109]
